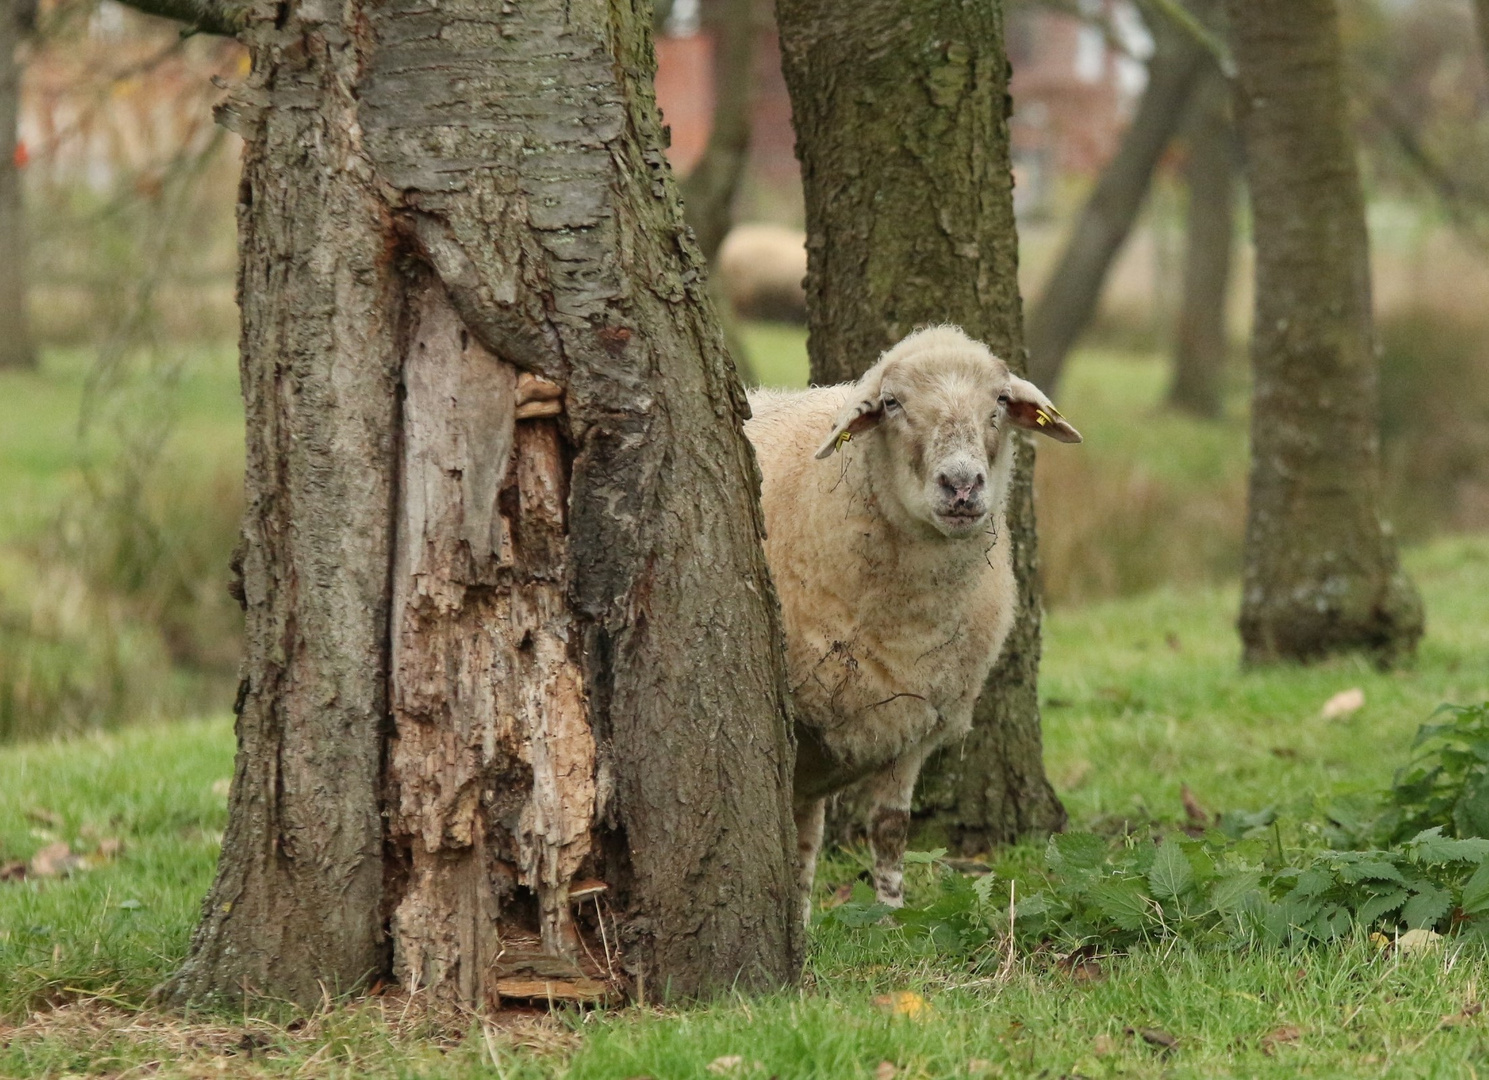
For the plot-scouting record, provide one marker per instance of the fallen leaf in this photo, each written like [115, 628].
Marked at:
[1155, 1037]
[109, 848]
[885, 1071]
[1082, 964]
[1171, 639]
[222, 787]
[1343, 704]
[1285, 752]
[840, 896]
[1104, 1045]
[978, 1066]
[1196, 813]
[1380, 941]
[13, 871]
[1287, 1033]
[1418, 941]
[903, 1003]
[726, 1064]
[54, 860]
[1463, 1015]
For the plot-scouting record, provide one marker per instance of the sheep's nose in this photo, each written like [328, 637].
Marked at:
[959, 488]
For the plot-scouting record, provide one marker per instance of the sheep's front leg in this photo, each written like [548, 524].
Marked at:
[809, 819]
[889, 824]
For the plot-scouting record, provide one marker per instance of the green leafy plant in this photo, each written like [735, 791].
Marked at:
[1236, 884]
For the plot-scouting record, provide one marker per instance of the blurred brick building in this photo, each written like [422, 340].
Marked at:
[1072, 95]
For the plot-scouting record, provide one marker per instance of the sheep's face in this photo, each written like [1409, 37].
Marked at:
[937, 413]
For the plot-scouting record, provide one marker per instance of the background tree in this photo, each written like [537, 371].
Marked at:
[513, 714]
[1067, 303]
[1321, 572]
[1200, 341]
[900, 109]
[17, 18]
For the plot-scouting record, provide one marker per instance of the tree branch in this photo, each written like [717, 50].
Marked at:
[225, 17]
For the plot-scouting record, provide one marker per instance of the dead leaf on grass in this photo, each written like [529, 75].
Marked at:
[221, 788]
[1104, 1045]
[54, 860]
[885, 1071]
[1286, 1034]
[13, 871]
[1418, 940]
[728, 1063]
[1196, 813]
[978, 1066]
[1344, 703]
[840, 896]
[1462, 1016]
[1155, 1037]
[903, 1003]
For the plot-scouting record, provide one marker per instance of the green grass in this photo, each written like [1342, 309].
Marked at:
[1141, 696]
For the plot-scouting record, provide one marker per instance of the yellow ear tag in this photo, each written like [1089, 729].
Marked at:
[1043, 417]
[843, 437]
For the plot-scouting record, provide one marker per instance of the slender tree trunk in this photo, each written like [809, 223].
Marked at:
[17, 349]
[514, 715]
[1068, 300]
[708, 191]
[1321, 573]
[1481, 10]
[1200, 347]
[900, 109]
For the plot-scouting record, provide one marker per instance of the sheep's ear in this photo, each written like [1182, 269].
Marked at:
[1029, 408]
[857, 417]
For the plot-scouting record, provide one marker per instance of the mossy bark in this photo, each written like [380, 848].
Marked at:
[901, 115]
[1321, 570]
[514, 720]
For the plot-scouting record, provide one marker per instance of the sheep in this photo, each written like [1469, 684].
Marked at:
[762, 267]
[884, 514]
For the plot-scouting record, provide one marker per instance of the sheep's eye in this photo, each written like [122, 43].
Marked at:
[891, 403]
[1002, 399]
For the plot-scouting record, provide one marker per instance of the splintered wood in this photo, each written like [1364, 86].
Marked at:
[494, 762]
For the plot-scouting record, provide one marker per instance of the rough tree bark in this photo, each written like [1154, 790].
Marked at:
[1200, 344]
[1321, 572]
[514, 718]
[17, 348]
[1067, 303]
[901, 115]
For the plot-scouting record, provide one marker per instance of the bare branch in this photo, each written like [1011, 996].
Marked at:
[225, 17]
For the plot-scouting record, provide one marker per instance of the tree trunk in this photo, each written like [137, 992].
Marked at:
[1200, 347]
[1321, 573]
[514, 715]
[1481, 11]
[17, 349]
[1068, 300]
[900, 108]
[708, 191]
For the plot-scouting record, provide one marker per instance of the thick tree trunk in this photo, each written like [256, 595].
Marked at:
[17, 349]
[1321, 573]
[1067, 302]
[514, 716]
[901, 127]
[1200, 345]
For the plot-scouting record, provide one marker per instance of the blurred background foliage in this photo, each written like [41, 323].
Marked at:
[121, 452]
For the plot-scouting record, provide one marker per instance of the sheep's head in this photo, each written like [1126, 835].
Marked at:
[936, 413]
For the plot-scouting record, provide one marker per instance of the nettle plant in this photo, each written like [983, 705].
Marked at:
[1415, 857]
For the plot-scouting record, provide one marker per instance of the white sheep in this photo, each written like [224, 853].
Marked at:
[884, 513]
